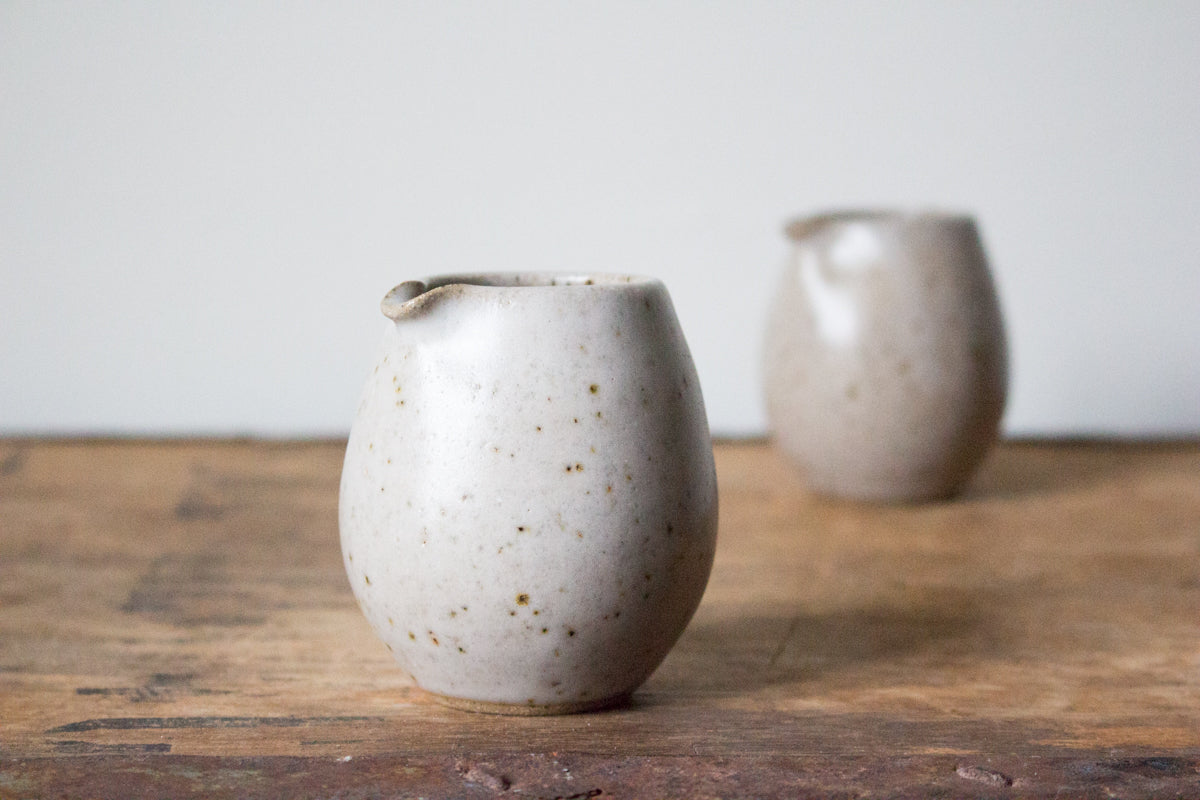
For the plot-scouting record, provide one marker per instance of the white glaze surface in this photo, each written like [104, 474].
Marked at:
[885, 361]
[528, 501]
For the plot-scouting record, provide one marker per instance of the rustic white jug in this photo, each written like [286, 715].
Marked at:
[885, 360]
[528, 502]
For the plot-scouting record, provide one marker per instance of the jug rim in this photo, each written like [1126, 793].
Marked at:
[798, 228]
[405, 297]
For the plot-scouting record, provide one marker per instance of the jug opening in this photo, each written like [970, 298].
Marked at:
[799, 229]
[400, 300]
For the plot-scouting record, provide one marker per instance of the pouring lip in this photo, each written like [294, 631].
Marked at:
[801, 227]
[407, 297]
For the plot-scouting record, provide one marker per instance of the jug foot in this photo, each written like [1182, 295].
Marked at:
[530, 709]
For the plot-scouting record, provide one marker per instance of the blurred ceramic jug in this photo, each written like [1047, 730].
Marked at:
[529, 502]
[885, 357]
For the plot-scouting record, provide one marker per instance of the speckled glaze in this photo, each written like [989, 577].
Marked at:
[885, 361]
[528, 502]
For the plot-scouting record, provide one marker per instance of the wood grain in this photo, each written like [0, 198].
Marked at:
[174, 620]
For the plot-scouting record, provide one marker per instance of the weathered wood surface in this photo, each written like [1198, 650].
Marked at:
[174, 620]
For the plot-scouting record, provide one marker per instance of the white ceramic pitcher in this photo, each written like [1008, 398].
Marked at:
[885, 359]
[528, 502]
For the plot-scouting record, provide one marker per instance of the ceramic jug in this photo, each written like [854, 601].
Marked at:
[528, 506]
[885, 363]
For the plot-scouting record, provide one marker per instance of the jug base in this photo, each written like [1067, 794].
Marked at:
[530, 709]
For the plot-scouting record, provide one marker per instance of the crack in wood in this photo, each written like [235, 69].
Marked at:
[791, 631]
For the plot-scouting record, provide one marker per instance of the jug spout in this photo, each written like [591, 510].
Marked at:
[394, 301]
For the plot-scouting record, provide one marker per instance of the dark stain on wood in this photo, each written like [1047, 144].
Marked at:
[191, 590]
[195, 505]
[160, 687]
[1155, 767]
[172, 723]
[70, 747]
[14, 462]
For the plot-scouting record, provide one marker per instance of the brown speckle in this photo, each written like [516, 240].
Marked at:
[520, 528]
[545, 630]
[522, 599]
[461, 650]
[367, 578]
[570, 631]
[390, 621]
[539, 427]
[852, 391]
[599, 415]
[412, 636]
[608, 489]
[594, 388]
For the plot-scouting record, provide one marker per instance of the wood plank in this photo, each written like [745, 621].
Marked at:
[174, 619]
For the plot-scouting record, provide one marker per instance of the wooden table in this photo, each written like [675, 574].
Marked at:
[175, 621]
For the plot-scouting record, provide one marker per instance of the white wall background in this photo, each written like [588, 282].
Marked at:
[201, 204]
